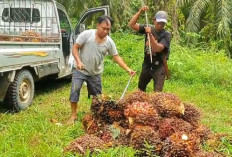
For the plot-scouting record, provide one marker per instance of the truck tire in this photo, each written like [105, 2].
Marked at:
[21, 91]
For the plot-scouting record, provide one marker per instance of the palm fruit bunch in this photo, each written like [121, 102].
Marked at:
[120, 134]
[202, 132]
[106, 135]
[84, 143]
[180, 144]
[4, 38]
[32, 36]
[159, 124]
[134, 97]
[17, 39]
[168, 126]
[141, 113]
[97, 107]
[167, 104]
[113, 134]
[90, 124]
[107, 111]
[191, 114]
[122, 140]
[145, 134]
[207, 154]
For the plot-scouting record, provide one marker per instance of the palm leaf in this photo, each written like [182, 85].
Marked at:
[193, 21]
[223, 18]
[184, 2]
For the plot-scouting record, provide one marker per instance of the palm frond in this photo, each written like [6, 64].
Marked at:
[223, 18]
[193, 21]
[184, 2]
[73, 7]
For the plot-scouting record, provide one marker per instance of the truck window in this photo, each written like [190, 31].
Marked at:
[64, 23]
[27, 15]
[90, 21]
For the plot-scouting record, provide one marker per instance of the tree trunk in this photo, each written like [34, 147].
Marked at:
[176, 35]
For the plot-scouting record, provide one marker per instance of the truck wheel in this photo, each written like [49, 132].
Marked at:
[21, 91]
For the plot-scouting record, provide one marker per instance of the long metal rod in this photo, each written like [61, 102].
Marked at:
[149, 40]
[126, 88]
[148, 37]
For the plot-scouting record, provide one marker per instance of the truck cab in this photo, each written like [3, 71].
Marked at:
[36, 39]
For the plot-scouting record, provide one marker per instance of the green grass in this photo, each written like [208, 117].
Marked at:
[197, 76]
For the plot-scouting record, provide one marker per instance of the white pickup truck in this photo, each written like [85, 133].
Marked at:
[36, 39]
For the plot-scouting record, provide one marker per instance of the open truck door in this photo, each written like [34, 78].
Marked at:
[89, 18]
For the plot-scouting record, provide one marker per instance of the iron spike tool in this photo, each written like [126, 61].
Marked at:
[148, 37]
[126, 88]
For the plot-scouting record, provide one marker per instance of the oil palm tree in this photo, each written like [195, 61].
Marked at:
[217, 12]
[213, 18]
[74, 7]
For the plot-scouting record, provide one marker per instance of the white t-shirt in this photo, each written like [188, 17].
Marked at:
[92, 53]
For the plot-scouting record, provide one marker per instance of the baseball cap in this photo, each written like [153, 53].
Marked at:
[161, 16]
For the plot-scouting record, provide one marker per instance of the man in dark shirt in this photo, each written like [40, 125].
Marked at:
[160, 45]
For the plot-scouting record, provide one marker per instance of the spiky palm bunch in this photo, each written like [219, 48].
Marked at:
[170, 135]
[145, 134]
[180, 144]
[141, 113]
[134, 97]
[107, 111]
[191, 114]
[113, 134]
[167, 104]
[207, 154]
[84, 143]
[168, 126]
[90, 124]
[203, 132]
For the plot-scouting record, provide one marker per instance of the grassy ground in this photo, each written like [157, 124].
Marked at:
[197, 76]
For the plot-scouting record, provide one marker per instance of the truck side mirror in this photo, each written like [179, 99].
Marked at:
[82, 27]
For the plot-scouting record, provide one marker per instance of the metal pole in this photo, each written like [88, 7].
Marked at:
[126, 88]
[148, 37]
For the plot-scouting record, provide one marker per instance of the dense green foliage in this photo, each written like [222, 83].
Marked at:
[201, 76]
[193, 21]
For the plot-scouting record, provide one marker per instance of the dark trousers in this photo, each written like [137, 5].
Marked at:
[157, 74]
[94, 85]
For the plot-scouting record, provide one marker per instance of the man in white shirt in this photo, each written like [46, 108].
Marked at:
[89, 51]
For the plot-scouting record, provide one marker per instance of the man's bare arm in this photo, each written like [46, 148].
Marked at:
[133, 22]
[122, 64]
[75, 52]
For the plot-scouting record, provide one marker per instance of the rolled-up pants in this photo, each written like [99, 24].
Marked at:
[94, 85]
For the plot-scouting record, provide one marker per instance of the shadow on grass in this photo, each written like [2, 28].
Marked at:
[3, 108]
[48, 85]
[41, 87]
